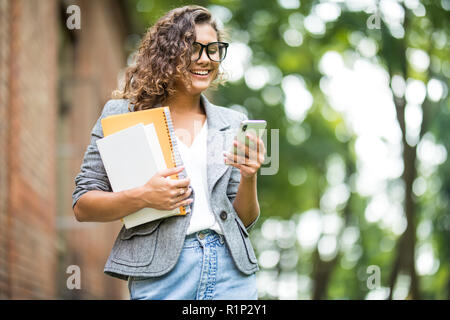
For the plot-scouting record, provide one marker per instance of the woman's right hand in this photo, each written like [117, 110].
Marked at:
[164, 193]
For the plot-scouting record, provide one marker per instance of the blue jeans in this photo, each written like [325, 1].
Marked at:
[205, 271]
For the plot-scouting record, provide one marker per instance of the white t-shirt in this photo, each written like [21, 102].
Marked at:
[194, 160]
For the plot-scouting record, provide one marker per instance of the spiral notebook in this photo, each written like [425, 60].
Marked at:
[162, 127]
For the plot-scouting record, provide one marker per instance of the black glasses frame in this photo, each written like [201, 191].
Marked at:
[206, 46]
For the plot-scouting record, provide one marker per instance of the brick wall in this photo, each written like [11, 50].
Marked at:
[53, 85]
[29, 235]
[4, 98]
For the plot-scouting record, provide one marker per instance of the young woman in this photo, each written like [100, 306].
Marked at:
[206, 254]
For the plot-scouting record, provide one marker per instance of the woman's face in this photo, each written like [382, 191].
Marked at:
[201, 81]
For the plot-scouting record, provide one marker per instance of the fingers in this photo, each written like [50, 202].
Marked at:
[171, 171]
[257, 144]
[250, 158]
[178, 183]
[245, 170]
[235, 159]
[178, 189]
[254, 151]
[260, 147]
[181, 183]
[245, 151]
[181, 203]
[181, 194]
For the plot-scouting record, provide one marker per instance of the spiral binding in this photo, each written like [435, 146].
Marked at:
[176, 157]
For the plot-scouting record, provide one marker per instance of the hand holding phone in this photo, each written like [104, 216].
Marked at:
[255, 127]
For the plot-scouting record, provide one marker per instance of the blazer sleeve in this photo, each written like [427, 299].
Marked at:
[234, 181]
[92, 175]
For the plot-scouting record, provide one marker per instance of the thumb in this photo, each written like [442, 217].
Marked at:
[170, 171]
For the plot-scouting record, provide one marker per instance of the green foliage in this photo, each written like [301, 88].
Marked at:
[306, 145]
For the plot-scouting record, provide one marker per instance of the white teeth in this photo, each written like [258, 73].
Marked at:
[202, 73]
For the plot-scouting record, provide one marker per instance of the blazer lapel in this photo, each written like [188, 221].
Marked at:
[219, 139]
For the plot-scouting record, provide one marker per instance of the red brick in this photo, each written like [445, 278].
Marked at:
[44, 148]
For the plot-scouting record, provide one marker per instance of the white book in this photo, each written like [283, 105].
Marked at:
[131, 157]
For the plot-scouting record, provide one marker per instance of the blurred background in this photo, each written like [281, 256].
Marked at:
[358, 89]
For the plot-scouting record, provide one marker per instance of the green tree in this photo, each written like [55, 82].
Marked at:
[284, 81]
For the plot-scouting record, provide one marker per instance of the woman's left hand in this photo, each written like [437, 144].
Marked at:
[247, 159]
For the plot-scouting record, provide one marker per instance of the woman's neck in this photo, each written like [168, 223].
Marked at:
[184, 104]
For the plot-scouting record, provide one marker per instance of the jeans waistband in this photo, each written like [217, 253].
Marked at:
[202, 237]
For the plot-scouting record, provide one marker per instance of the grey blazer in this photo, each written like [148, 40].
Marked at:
[152, 249]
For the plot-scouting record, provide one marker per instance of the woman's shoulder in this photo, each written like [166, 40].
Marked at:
[115, 106]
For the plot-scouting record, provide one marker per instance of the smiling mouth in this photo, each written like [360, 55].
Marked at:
[201, 73]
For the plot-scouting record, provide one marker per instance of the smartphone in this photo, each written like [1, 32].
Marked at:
[256, 127]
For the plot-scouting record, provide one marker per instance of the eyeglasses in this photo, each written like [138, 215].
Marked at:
[216, 51]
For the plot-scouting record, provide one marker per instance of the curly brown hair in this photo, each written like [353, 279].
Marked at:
[163, 57]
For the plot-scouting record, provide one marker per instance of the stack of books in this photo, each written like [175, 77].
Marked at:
[135, 146]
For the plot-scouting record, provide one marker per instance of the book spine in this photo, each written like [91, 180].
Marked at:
[176, 157]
